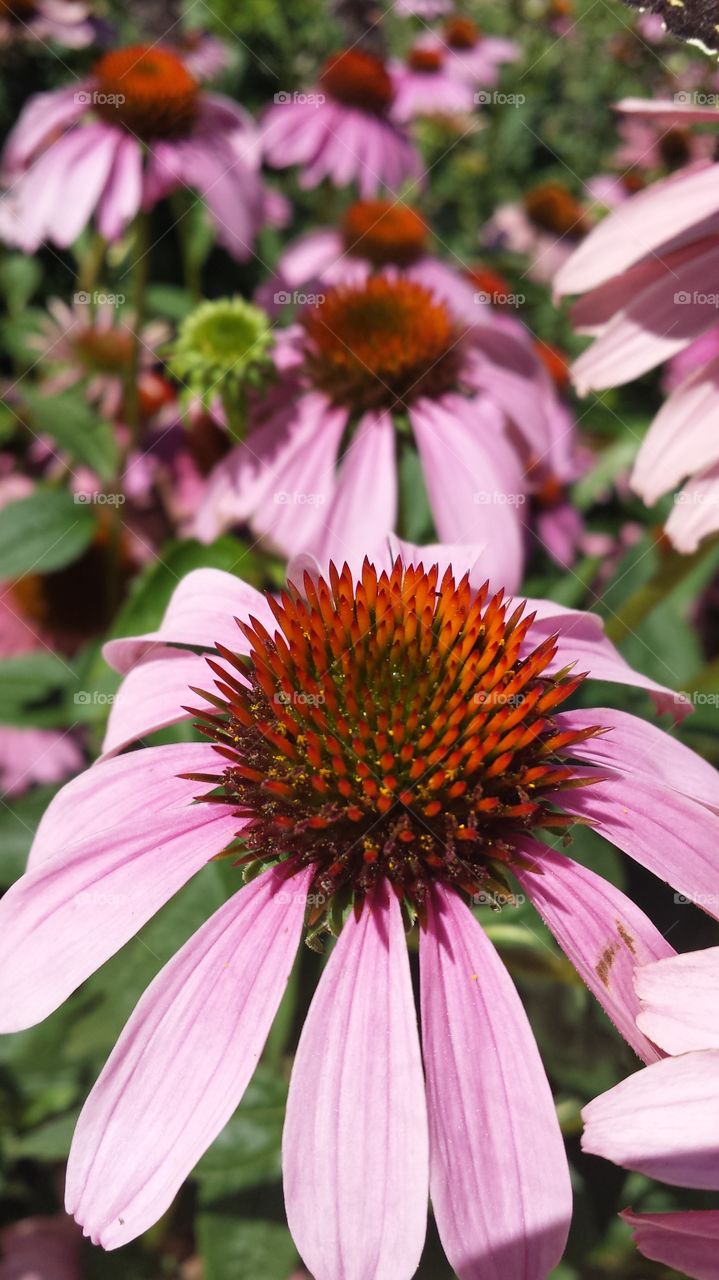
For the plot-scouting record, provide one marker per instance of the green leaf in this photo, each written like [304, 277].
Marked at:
[152, 589]
[49, 1141]
[30, 679]
[43, 532]
[18, 823]
[72, 423]
[248, 1152]
[255, 1250]
[19, 278]
[169, 301]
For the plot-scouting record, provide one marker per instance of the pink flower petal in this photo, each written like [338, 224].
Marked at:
[601, 930]
[636, 746]
[696, 511]
[499, 1180]
[681, 439]
[106, 794]
[40, 118]
[688, 1242]
[64, 918]
[662, 1122]
[652, 327]
[493, 562]
[581, 640]
[472, 473]
[668, 113]
[183, 1061]
[355, 1141]
[640, 227]
[678, 998]
[364, 506]
[201, 613]
[153, 695]
[122, 197]
[672, 836]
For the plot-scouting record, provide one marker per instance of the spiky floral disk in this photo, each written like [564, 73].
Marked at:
[551, 207]
[390, 728]
[382, 344]
[358, 79]
[386, 232]
[147, 90]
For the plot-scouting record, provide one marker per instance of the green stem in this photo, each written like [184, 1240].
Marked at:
[191, 267]
[140, 276]
[234, 403]
[673, 570]
[91, 265]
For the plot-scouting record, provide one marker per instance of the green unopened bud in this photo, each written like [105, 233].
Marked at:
[223, 350]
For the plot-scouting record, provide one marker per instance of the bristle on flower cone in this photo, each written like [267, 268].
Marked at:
[390, 728]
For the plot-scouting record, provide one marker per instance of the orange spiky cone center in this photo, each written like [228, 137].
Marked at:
[399, 727]
[382, 344]
[385, 232]
[551, 207]
[146, 90]
[425, 60]
[461, 33]
[358, 79]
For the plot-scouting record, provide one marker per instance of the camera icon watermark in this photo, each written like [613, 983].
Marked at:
[495, 698]
[93, 98]
[696, 498]
[709, 901]
[494, 98]
[484, 299]
[697, 98]
[285, 97]
[93, 698]
[295, 298]
[695, 298]
[498, 900]
[299, 698]
[698, 698]
[98, 299]
[99, 499]
[296, 498]
[498, 498]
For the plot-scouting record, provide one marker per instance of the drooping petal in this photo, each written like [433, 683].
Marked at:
[472, 473]
[679, 1001]
[183, 1061]
[639, 227]
[662, 1122]
[355, 1141]
[675, 838]
[71, 912]
[122, 196]
[201, 613]
[688, 1242]
[636, 746]
[652, 327]
[601, 930]
[364, 505]
[499, 1180]
[681, 439]
[154, 695]
[106, 795]
[581, 640]
[695, 513]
